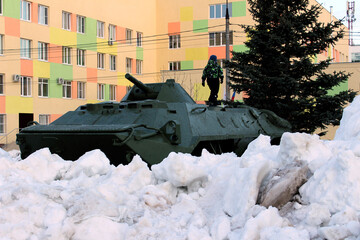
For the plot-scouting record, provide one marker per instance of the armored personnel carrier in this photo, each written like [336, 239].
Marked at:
[152, 120]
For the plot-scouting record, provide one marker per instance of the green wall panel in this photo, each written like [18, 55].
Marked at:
[139, 53]
[200, 26]
[342, 87]
[239, 48]
[107, 92]
[187, 65]
[239, 9]
[12, 8]
[88, 40]
[56, 71]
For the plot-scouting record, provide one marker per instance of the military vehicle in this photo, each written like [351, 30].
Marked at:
[152, 120]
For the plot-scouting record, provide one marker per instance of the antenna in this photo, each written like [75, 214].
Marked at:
[350, 16]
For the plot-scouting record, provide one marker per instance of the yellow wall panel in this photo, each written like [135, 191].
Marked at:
[196, 54]
[41, 69]
[104, 47]
[186, 14]
[62, 37]
[17, 104]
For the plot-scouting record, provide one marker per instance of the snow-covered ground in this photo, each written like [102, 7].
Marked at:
[186, 197]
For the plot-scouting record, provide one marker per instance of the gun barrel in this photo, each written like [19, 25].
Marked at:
[139, 84]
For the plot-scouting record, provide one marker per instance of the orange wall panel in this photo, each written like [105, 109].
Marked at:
[121, 91]
[73, 22]
[26, 68]
[91, 75]
[120, 34]
[12, 27]
[173, 28]
[74, 90]
[55, 53]
[34, 16]
[2, 104]
[53, 117]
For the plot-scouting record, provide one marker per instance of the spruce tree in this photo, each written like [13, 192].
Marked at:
[277, 71]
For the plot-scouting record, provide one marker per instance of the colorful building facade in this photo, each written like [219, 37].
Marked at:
[57, 55]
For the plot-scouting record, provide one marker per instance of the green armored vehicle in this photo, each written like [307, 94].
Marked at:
[152, 120]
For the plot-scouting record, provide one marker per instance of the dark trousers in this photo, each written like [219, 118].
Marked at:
[214, 85]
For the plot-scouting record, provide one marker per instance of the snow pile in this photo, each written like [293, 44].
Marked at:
[186, 197]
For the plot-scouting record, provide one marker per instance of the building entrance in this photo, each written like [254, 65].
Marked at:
[24, 119]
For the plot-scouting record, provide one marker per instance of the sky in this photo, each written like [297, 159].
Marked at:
[339, 11]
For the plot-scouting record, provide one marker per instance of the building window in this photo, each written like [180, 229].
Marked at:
[128, 36]
[81, 90]
[139, 66]
[112, 92]
[43, 87]
[44, 119]
[1, 7]
[113, 62]
[80, 57]
[80, 23]
[174, 66]
[174, 41]
[219, 10]
[100, 29]
[67, 89]
[66, 55]
[1, 84]
[219, 38]
[101, 60]
[66, 20]
[101, 91]
[25, 86]
[1, 44]
[139, 39]
[25, 10]
[128, 65]
[43, 15]
[112, 33]
[43, 51]
[2, 123]
[25, 48]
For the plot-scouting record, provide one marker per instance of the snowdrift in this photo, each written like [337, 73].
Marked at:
[187, 197]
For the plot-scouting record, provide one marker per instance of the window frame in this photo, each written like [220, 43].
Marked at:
[112, 61]
[25, 53]
[27, 16]
[112, 33]
[139, 66]
[221, 37]
[47, 119]
[80, 24]
[2, 83]
[81, 87]
[66, 55]
[217, 11]
[43, 51]
[43, 10]
[175, 66]
[128, 36]
[66, 20]
[1, 44]
[43, 83]
[81, 57]
[1, 7]
[112, 92]
[174, 41]
[128, 65]
[100, 60]
[139, 37]
[66, 89]
[100, 91]
[100, 29]
[25, 86]
[2, 124]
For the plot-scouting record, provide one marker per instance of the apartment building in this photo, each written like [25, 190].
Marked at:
[57, 55]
